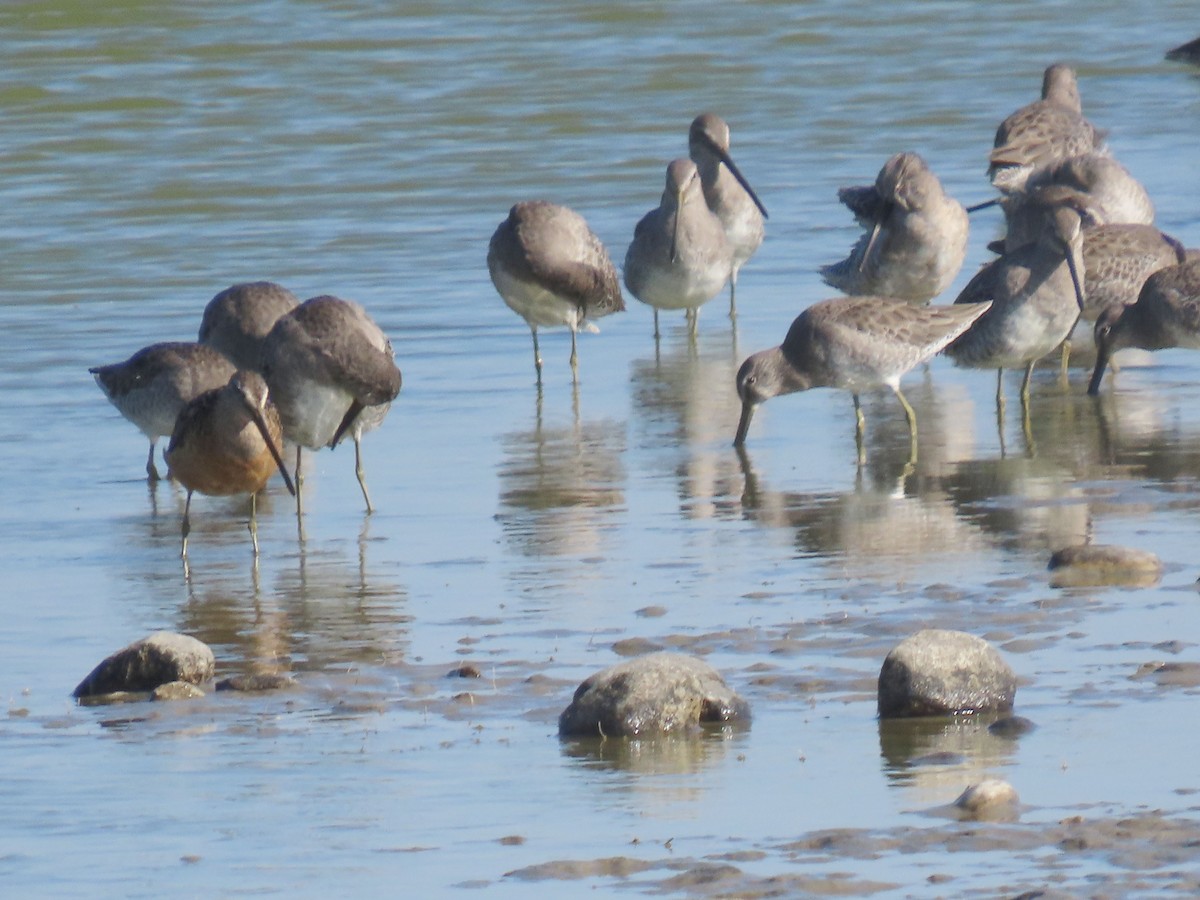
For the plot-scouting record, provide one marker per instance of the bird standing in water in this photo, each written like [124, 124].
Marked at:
[679, 257]
[332, 372]
[727, 193]
[551, 269]
[1042, 133]
[916, 236]
[1166, 314]
[238, 319]
[153, 386]
[851, 343]
[226, 441]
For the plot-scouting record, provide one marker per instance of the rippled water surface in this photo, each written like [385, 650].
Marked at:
[154, 155]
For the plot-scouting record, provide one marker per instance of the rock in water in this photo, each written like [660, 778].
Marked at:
[1097, 565]
[161, 658]
[989, 800]
[256, 682]
[659, 693]
[936, 673]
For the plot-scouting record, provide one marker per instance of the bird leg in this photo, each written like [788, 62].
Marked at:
[1000, 408]
[537, 354]
[912, 425]
[860, 430]
[574, 358]
[1025, 384]
[187, 525]
[254, 523]
[733, 295]
[151, 469]
[1027, 425]
[299, 483]
[656, 323]
[358, 470]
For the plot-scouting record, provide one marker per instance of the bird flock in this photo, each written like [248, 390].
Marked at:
[265, 369]
[1080, 246]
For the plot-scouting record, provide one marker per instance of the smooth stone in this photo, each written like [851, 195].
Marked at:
[1011, 727]
[990, 799]
[176, 690]
[1096, 565]
[659, 693]
[263, 681]
[161, 658]
[937, 673]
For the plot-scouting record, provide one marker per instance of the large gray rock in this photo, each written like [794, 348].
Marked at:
[161, 658]
[937, 672]
[658, 693]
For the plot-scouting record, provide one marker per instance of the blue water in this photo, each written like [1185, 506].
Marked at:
[154, 156]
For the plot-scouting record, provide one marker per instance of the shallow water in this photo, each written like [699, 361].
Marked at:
[155, 156]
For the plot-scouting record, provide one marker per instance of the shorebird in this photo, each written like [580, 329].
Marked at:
[1036, 295]
[679, 257]
[153, 386]
[1166, 314]
[238, 319]
[1189, 52]
[916, 236]
[1106, 182]
[1042, 133]
[1117, 258]
[551, 269]
[852, 343]
[226, 441]
[727, 193]
[1098, 186]
[331, 371]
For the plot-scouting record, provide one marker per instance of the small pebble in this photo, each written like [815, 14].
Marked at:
[989, 799]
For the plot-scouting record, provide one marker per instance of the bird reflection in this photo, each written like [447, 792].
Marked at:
[685, 405]
[1140, 432]
[326, 612]
[954, 501]
[877, 524]
[560, 485]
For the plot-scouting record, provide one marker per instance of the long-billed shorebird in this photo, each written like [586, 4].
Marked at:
[1036, 295]
[727, 193]
[551, 269]
[1043, 132]
[1117, 258]
[851, 343]
[1166, 314]
[1189, 52]
[679, 257]
[332, 372]
[916, 236]
[153, 386]
[1108, 185]
[227, 441]
[238, 319]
